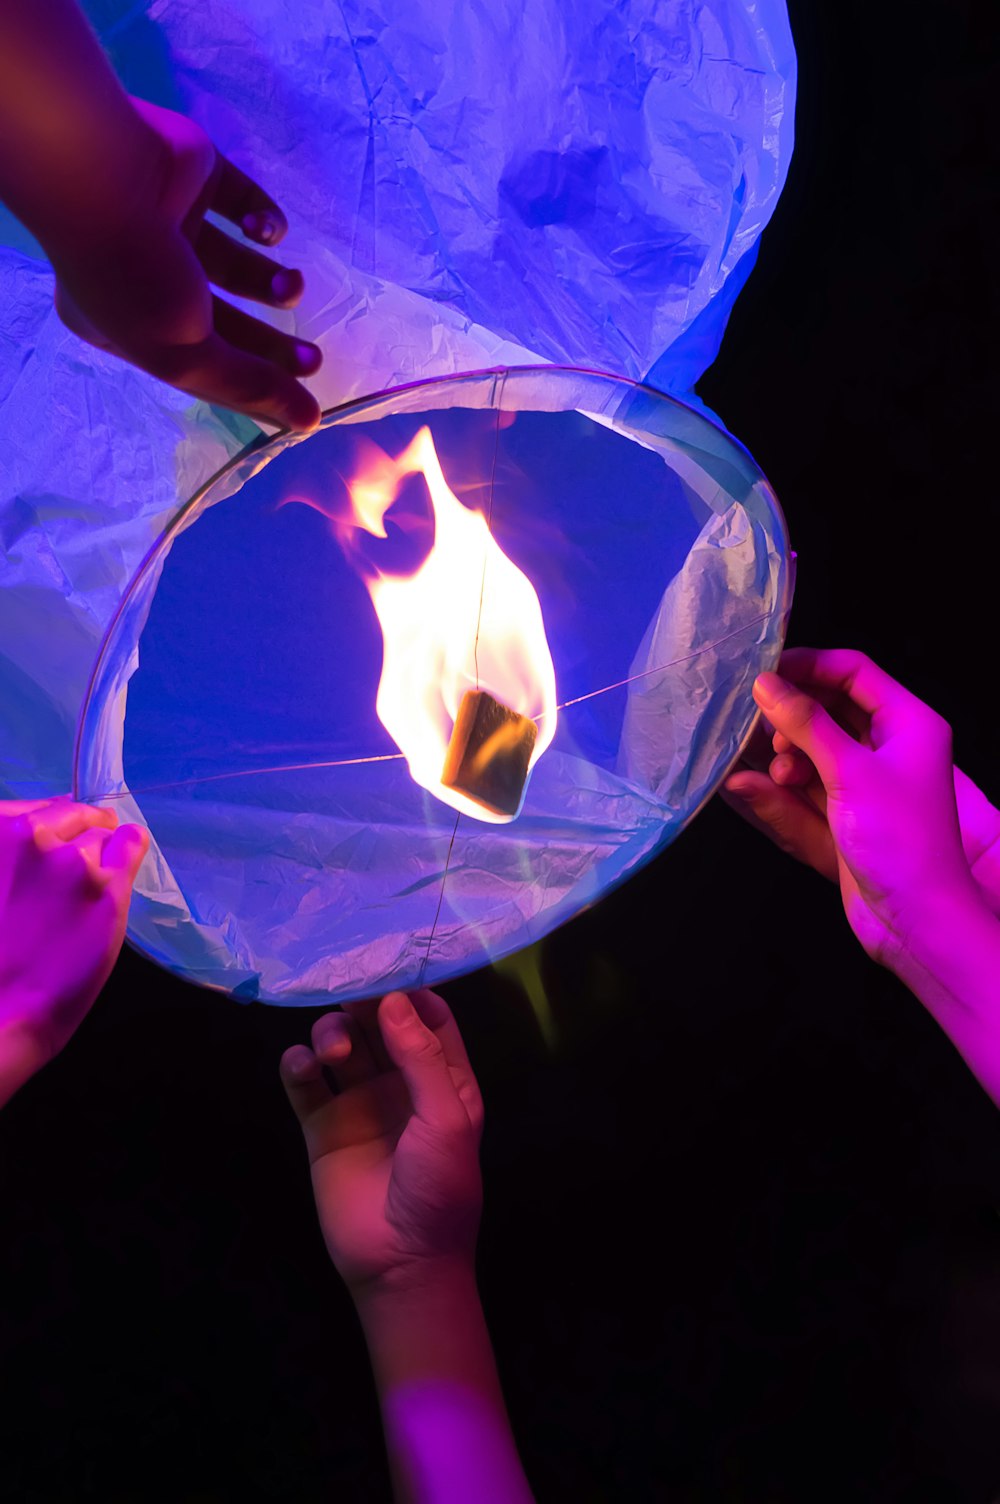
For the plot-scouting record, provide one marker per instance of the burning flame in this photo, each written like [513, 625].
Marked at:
[466, 619]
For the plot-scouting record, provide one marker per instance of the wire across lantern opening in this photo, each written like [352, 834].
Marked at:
[397, 698]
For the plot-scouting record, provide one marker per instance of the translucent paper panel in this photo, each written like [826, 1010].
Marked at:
[233, 708]
[466, 185]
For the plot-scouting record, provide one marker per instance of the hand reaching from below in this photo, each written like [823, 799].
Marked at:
[394, 1149]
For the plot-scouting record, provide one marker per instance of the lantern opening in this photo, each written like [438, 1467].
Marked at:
[331, 808]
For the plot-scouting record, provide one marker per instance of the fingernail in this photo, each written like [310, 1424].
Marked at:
[328, 1027]
[398, 1008]
[767, 689]
[261, 227]
[285, 284]
[299, 1064]
[308, 357]
[333, 1041]
[301, 424]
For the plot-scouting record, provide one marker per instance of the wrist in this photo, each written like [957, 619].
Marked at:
[422, 1324]
[428, 1281]
[445, 1421]
[947, 933]
[952, 965]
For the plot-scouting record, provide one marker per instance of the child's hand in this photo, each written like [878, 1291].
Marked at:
[138, 284]
[394, 1148]
[66, 875]
[875, 807]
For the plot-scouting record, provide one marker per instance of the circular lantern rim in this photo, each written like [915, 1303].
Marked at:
[264, 441]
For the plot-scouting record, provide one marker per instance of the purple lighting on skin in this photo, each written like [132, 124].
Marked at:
[450, 1434]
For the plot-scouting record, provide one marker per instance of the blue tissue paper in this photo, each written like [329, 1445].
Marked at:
[467, 187]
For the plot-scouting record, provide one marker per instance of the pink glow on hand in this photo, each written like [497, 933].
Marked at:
[66, 875]
[395, 1151]
[862, 787]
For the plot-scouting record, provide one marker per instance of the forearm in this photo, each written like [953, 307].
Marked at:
[446, 1426]
[953, 967]
[62, 109]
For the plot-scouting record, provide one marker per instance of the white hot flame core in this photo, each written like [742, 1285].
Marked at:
[466, 619]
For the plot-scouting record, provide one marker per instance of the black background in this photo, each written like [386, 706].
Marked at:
[742, 1238]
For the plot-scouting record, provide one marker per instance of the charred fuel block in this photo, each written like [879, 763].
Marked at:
[489, 753]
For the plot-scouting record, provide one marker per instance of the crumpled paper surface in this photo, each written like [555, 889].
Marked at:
[579, 180]
[465, 184]
[467, 187]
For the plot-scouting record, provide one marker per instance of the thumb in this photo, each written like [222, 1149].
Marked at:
[416, 1052]
[123, 852]
[808, 726]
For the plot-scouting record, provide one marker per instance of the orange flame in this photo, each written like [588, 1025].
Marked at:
[466, 619]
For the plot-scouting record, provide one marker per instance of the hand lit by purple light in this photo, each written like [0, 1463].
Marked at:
[862, 787]
[393, 1141]
[394, 1149]
[66, 875]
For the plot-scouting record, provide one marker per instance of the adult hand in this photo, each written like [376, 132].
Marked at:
[394, 1147]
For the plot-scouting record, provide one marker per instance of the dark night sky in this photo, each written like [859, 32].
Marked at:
[742, 1235]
